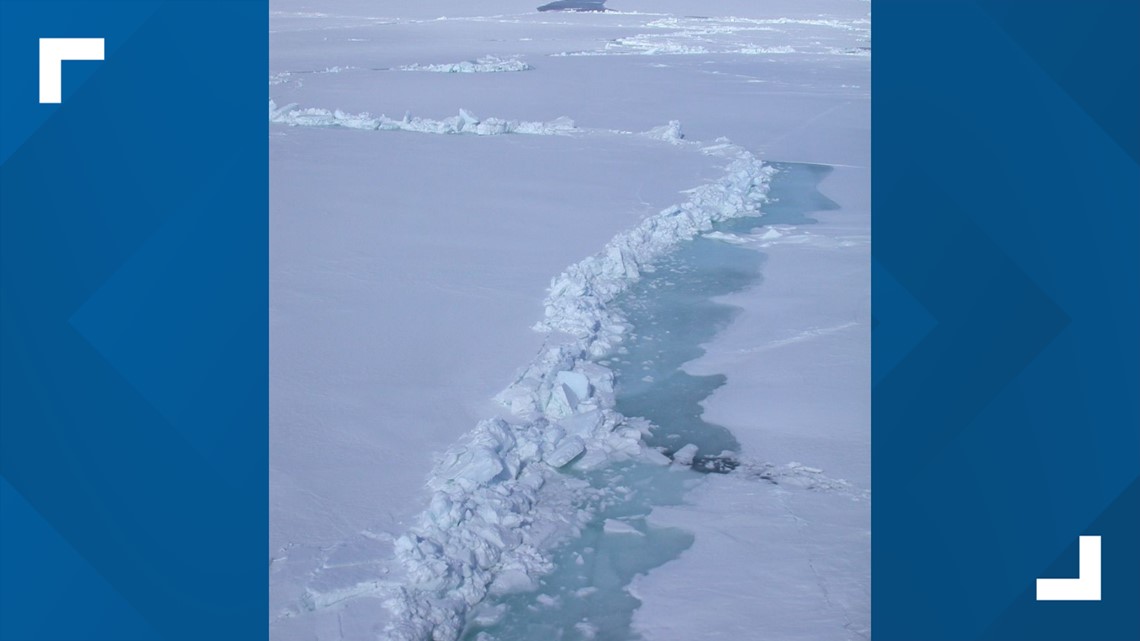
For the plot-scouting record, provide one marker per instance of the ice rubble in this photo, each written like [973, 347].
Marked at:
[670, 133]
[486, 64]
[771, 235]
[465, 123]
[290, 76]
[694, 35]
[577, 303]
[499, 500]
[754, 51]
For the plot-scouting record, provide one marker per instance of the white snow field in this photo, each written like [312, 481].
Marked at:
[481, 217]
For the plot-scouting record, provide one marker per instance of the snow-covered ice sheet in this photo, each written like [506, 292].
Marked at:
[767, 562]
[406, 269]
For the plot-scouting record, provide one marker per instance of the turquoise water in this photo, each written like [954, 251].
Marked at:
[672, 314]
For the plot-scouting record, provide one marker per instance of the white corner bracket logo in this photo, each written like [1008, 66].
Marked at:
[53, 51]
[1086, 587]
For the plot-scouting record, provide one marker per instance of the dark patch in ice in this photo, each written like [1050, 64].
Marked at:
[764, 474]
[574, 5]
[715, 464]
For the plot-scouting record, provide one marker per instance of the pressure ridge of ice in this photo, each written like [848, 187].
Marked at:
[500, 500]
[465, 123]
[486, 64]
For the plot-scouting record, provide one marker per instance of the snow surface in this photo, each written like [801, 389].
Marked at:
[406, 269]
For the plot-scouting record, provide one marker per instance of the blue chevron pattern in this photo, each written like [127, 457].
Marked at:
[133, 456]
[1006, 203]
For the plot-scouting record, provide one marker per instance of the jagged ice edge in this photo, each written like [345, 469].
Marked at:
[499, 503]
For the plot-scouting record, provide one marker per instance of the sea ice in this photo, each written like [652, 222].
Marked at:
[684, 456]
[464, 123]
[486, 64]
[614, 526]
[670, 133]
[566, 451]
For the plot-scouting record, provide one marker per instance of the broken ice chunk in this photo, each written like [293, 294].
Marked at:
[651, 455]
[512, 580]
[488, 615]
[519, 397]
[613, 526]
[566, 451]
[467, 119]
[576, 381]
[582, 424]
[469, 467]
[684, 456]
[670, 133]
[594, 457]
[586, 629]
[562, 402]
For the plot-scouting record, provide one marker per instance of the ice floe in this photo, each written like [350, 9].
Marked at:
[685, 455]
[614, 526]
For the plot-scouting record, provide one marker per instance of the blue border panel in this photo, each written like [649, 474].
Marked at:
[1007, 316]
[133, 242]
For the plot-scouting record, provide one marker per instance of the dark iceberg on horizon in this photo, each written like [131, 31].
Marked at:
[574, 5]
